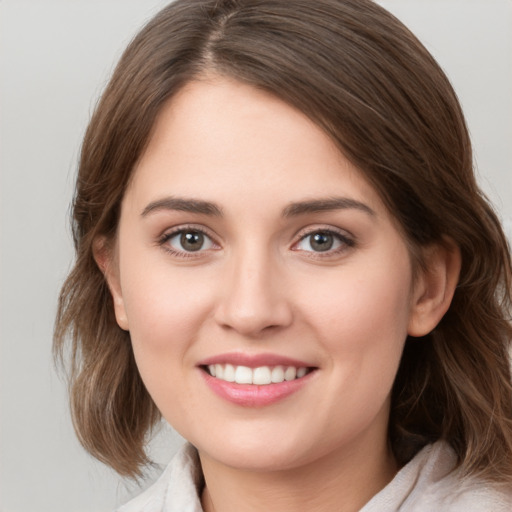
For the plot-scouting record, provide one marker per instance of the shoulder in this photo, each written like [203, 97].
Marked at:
[429, 482]
[442, 488]
[474, 496]
[177, 488]
[456, 493]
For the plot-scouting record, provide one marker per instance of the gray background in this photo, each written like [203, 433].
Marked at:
[55, 58]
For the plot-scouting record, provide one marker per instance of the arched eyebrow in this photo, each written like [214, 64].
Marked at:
[184, 205]
[323, 205]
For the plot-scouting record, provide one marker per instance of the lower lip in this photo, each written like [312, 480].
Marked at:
[252, 395]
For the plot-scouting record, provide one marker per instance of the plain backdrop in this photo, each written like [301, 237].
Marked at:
[55, 58]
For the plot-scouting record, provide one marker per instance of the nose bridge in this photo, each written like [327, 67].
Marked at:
[254, 298]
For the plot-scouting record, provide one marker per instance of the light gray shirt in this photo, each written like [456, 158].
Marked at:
[425, 484]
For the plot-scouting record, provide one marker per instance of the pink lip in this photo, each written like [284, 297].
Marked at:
[251, 395]
[253, 360]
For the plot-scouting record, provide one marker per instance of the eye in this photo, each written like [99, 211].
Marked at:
[187, 241]
[323, 241]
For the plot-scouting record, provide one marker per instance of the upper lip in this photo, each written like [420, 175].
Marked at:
[254, 360]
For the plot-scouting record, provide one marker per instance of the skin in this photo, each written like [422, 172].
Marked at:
[258, 285]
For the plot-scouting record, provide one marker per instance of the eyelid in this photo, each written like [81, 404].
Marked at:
[347, 240]
[170, 233]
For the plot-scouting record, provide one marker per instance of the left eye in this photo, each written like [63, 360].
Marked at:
[322, 241]
[190, 241]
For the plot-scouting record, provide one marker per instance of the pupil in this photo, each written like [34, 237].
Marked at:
[322, 241]
[192, 241]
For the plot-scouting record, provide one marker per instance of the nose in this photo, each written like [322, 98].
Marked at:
[254, 299]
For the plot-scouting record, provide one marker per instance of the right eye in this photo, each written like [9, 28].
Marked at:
[186, 241]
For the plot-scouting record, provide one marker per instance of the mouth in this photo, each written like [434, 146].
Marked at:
[255, 380]
[259, 376]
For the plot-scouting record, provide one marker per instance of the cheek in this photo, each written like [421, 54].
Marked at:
[165, 308]
[361, 318]
[361, 307]
[165, 316]
[362, 326]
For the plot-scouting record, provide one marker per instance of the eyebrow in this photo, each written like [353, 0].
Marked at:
[184, 205]
[292, 210]
[322, 205]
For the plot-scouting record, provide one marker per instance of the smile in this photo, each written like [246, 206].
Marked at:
[256, 380]
[260, 376]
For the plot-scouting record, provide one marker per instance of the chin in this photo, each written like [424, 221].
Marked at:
[263, 452]
[252, 450]
[256, 459]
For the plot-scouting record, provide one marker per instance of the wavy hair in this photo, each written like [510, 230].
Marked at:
[361, 76]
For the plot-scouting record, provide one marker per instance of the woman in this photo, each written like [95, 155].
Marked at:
[282, 250]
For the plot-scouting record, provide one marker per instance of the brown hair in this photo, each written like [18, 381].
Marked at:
[359, 74]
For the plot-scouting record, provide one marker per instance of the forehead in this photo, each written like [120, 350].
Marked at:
[220, 137]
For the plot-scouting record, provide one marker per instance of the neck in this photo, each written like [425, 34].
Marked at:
[341, 481]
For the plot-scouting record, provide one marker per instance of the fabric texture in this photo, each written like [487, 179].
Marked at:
[424, 485]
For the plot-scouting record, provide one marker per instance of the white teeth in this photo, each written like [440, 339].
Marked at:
[277, 374]
[261, 376]
[290, 373]
[229, 373]
[243, 375]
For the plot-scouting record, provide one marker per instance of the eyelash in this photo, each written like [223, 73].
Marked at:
[164, 239]
[345, 241]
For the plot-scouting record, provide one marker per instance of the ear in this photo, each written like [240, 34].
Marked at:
[434, 287]
[106, 258]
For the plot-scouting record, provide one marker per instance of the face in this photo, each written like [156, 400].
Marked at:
[267, 290]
